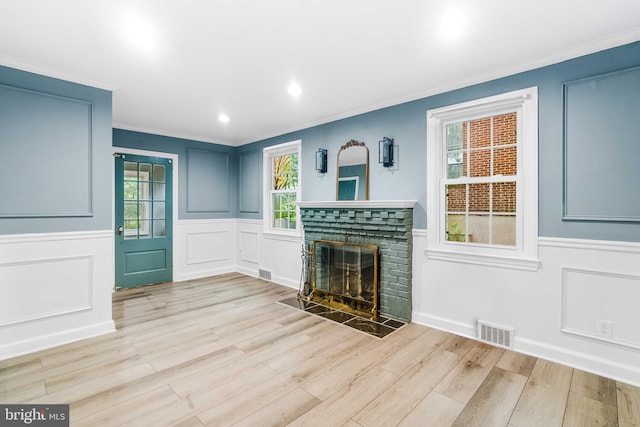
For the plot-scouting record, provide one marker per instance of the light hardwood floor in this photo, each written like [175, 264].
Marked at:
[221, 351]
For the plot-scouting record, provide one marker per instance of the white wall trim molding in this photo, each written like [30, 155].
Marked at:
[283, 237]
[253, 272]
[199, 274]
[205, 221]
[285, 281]
[247, 221]
[587, 362]
[34, 344]
[599, 245]
[447, 325]
[483, 260]
[419, 233]
[627, 373]
[52, 237]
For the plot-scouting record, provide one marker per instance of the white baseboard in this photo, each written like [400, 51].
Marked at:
[278, 280]
[629, 374]
[294, 284]
[53, 340]
[192, 275]
[252, 272]
[457, 328]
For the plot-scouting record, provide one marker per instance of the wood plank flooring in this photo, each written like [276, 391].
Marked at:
[221, 351]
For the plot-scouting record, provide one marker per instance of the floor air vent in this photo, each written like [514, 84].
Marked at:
[264, 274]
[496, 335]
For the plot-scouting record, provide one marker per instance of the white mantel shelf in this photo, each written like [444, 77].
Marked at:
[359, 204]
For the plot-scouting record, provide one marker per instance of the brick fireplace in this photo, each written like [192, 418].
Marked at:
[387, 225]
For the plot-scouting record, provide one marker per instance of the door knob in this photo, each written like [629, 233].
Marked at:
[120, 230]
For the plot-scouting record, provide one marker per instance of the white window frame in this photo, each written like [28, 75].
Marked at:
[268, 154]
[524, 255]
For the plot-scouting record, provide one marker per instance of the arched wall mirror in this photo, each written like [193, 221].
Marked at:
[352, 180]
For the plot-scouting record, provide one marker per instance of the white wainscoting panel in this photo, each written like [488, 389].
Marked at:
[249, 246]
[207, 247]
[54, 288]
[23, 282]
[204, 248]
[553, 310]
[279, 255]
[590, 296]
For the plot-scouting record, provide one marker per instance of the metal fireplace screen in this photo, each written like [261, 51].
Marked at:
[345, 276]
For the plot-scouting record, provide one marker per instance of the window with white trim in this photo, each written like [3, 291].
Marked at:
[483, 180]
[282, 188]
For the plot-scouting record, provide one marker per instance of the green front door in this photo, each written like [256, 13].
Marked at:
[143, 206]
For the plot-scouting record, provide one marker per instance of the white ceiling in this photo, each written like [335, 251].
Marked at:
[237, 57]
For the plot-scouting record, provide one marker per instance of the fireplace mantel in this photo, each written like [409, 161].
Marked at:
[359, 204]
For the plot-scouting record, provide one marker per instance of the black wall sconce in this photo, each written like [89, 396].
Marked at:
[321, 160]
[385, 151]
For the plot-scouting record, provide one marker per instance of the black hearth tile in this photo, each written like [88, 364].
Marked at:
[369, 327]
[318, 309]
[382, 319]
[394, 323]
[296, 302]
[337, 316]
[329, 313]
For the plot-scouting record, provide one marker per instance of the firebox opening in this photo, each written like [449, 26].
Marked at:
[345, 276]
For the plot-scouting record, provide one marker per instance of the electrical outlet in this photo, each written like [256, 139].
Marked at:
[604, 328]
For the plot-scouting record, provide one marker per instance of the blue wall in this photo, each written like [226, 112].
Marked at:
[55, 162]
[207, 173]
[406, 123]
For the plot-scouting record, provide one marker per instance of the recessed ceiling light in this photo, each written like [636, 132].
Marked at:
[452, 23]
[223, 118]
[294, 89]
[140, 32]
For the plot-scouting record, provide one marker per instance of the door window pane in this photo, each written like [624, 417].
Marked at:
[131, 229]
[145, 229]
[145, 210]
[158, 191]
[159, 228]
[158, 210]
[131, 211]
[130, 171]
[158, 173]
[145, 194]
[145, 171]
[131, 190]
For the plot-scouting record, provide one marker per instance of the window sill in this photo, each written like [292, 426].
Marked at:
[527, 264]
